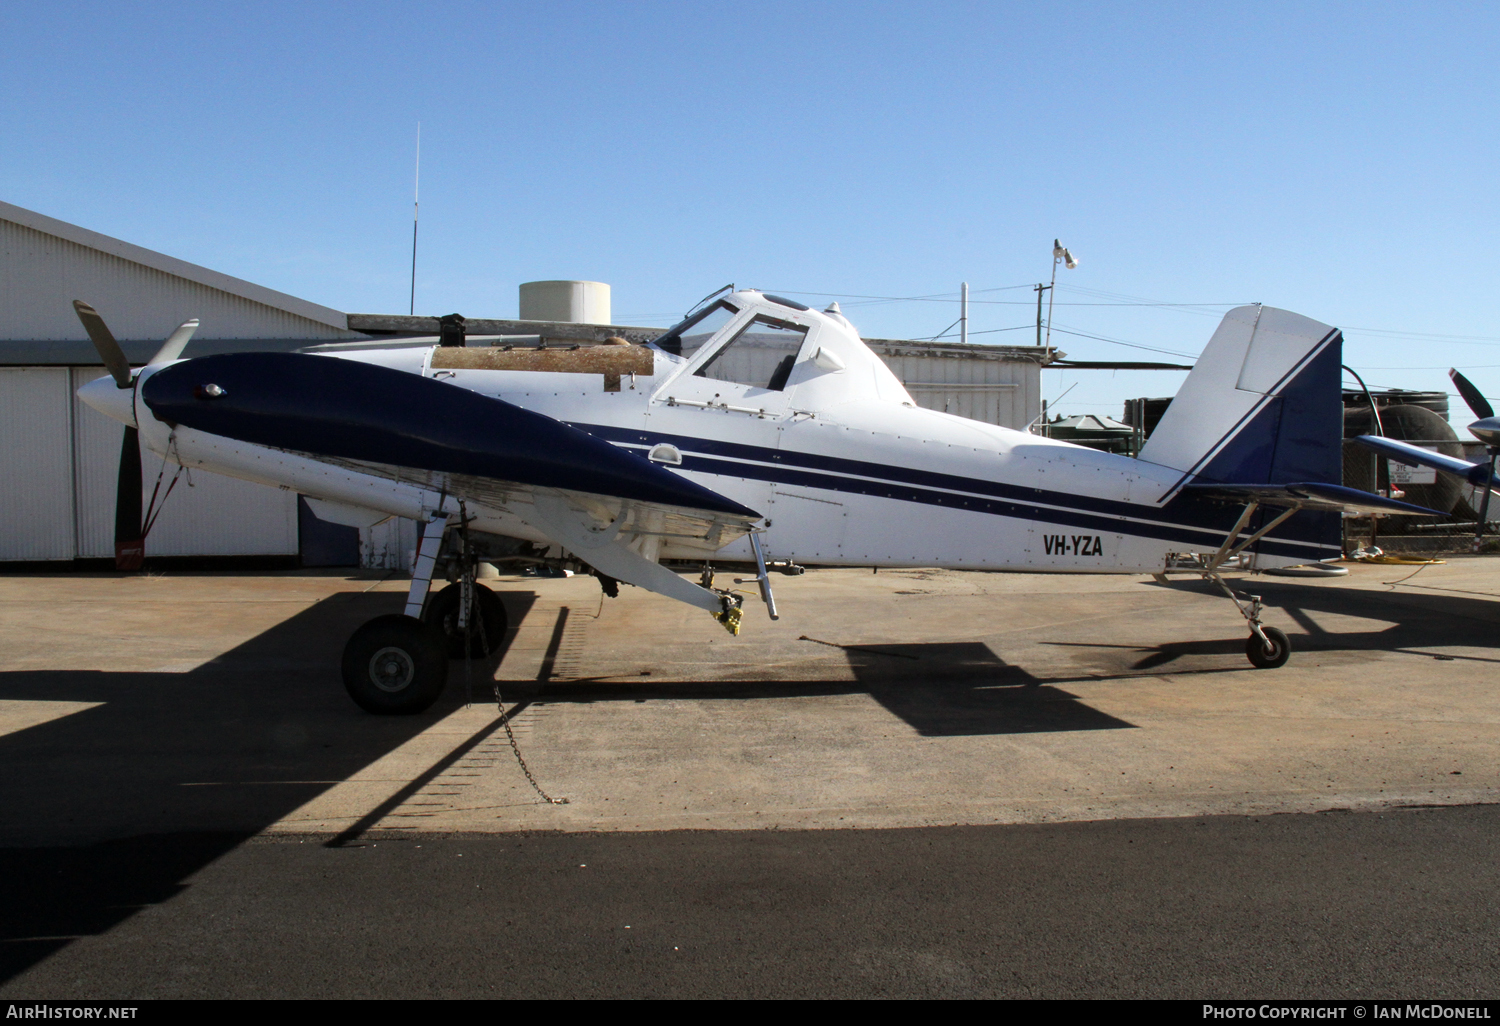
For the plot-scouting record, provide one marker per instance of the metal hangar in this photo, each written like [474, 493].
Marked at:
[60, 458]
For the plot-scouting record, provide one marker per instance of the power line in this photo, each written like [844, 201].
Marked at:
[1462, 340]
[1121, 342]
[954, 297]
[986, 331]
[1106, 299]
[940, 334]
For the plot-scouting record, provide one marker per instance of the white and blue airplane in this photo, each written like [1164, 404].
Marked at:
[1481, 475]
[758, 431]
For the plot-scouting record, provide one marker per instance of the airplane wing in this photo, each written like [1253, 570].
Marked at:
[1311, 495]
[609, 506]
[1416, 456]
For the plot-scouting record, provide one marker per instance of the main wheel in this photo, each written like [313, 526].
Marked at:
[1277, 654]
[442, 612]
[395, 665]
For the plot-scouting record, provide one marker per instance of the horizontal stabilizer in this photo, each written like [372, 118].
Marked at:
[1311, 495]
[1416, 456]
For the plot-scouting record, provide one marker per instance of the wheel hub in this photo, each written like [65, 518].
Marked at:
[392, 669]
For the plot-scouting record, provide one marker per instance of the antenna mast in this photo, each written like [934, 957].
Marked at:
[415, 208]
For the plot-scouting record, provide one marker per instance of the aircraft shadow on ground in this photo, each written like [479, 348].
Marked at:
[183, 766]
[964, 688]
[1413, 620]
[941, 689]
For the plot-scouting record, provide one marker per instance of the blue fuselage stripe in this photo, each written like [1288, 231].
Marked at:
[862, 468]
[1212, 522]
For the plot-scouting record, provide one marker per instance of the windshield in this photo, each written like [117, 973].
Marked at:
[687, 337]
[761, 355]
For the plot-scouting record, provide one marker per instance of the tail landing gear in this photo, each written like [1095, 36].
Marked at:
[1271, 652]
[1267, 647]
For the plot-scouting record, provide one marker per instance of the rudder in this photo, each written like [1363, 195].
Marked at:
[1262, 405]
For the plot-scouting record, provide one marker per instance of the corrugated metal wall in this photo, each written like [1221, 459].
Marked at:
[59, 459]
[96, 457]
[996, 391]
[41, 275]
[36, 516]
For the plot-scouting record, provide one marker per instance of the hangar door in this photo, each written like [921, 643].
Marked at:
[36, 463]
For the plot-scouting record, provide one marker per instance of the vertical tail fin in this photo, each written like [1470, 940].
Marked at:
[1261, 406]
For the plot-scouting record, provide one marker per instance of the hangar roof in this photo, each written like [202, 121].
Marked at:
[143, 294]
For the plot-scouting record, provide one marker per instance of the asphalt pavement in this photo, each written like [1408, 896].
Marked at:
[1395, 905]
[916, 783]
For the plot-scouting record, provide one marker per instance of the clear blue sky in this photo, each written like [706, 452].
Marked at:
[1334, 159]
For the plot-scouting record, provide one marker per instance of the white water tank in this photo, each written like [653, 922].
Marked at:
[580, 302]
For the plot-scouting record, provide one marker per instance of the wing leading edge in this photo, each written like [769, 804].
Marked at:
[358, 411]
[1415, 456]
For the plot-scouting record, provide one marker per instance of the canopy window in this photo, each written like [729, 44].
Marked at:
[761, 355]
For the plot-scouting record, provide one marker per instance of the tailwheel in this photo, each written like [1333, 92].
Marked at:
[487, 620]
[395, 665]
[1271, 653]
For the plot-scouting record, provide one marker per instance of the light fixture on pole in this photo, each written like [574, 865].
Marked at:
[1060, 255]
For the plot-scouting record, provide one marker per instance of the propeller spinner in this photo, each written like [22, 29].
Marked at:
[1487, 427]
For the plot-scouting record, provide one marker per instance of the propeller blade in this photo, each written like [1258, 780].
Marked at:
[109, 350]
[1477, 402]
[130, 549]
[172, 348]
[1484, 507]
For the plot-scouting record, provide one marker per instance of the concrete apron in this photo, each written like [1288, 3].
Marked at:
[904, 698]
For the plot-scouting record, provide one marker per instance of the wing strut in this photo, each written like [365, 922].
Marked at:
[764, 578]
[602, 549]
[1225, 553]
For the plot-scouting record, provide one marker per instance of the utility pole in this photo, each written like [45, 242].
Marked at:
[416, 195]
[1040, 288]
[963, 313]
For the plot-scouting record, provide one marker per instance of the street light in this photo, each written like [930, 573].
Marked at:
[1060, 255]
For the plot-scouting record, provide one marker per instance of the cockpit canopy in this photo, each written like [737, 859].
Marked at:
[766, 342]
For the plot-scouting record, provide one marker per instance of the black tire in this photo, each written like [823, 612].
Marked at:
[395, 665]
[1277, 655]
[442, 612]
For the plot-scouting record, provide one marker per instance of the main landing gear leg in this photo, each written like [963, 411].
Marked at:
[398, 663]
[1267, 647]
[471, 617]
